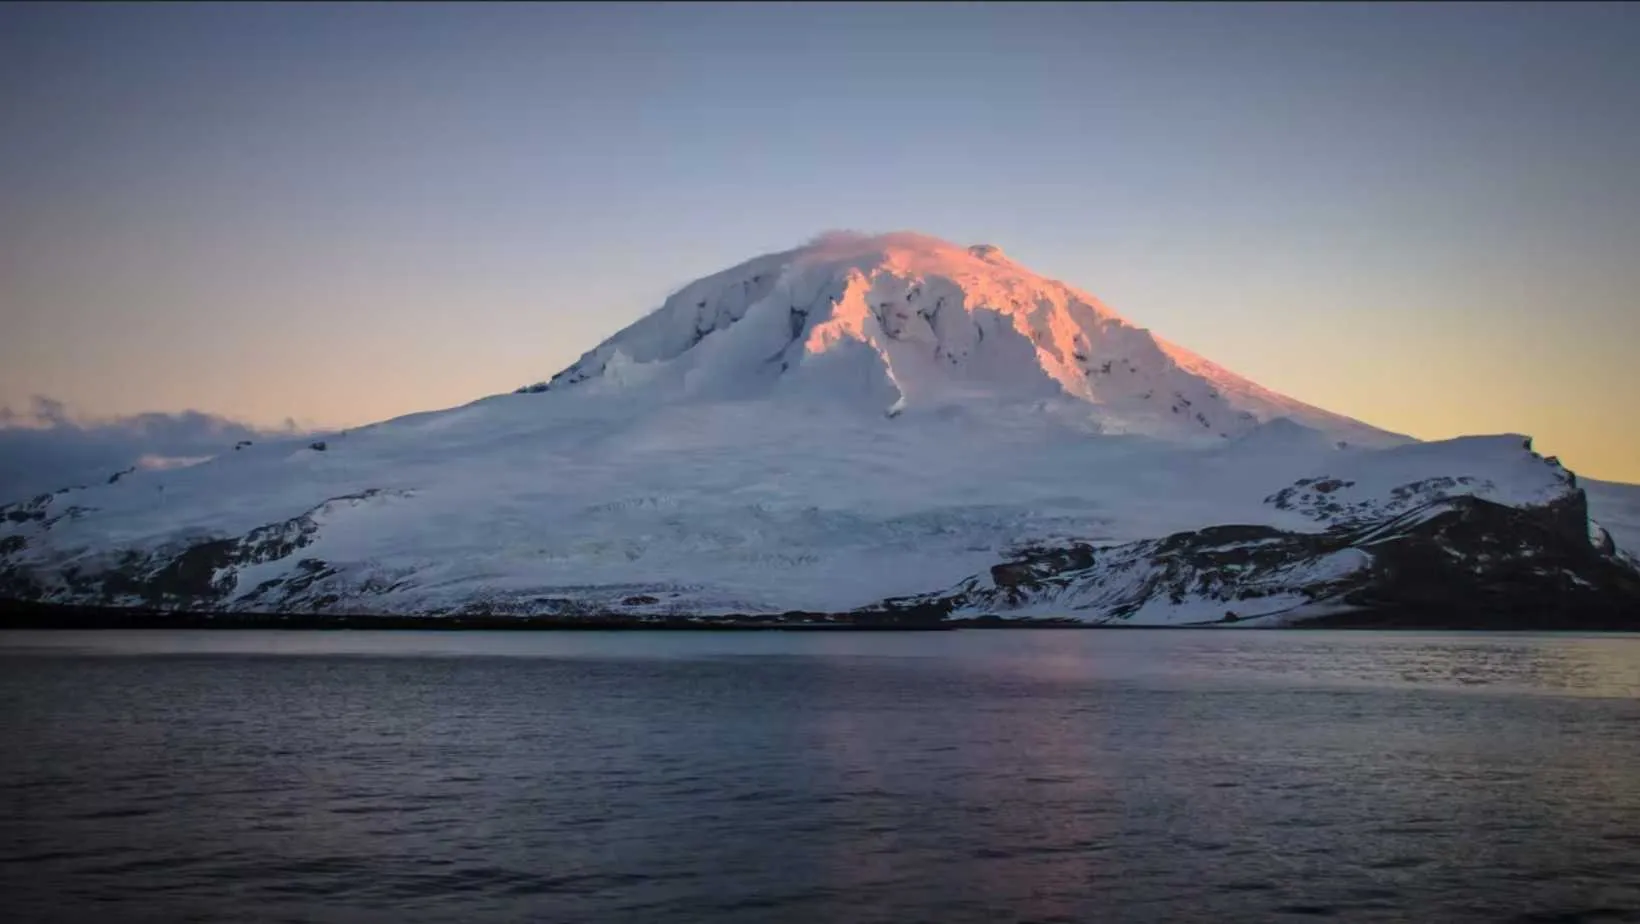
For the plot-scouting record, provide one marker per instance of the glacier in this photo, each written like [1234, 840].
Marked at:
[863, 426]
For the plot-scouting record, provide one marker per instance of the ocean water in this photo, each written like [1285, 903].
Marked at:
[818, 776]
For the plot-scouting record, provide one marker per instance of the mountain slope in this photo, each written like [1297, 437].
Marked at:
[910, 321]
[862, 425]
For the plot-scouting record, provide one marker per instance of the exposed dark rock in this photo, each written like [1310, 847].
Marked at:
[1455, 561]
[201, 573]
[32, 509]
[193, 574]
[17, 584]
[1322, 498]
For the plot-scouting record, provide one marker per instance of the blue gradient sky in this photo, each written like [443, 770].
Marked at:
[1426, 216]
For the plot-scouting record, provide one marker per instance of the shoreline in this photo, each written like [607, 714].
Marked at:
[32, 616]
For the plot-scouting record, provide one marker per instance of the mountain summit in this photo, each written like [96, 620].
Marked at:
[863, 429]
[906, 321]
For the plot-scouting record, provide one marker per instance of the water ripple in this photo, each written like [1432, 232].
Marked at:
[952, 777]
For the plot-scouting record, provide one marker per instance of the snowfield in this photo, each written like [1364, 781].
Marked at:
[819, 430]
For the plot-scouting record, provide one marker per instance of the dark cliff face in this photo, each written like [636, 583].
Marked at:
[198, 575]
[1483, 565]
[1456, 562]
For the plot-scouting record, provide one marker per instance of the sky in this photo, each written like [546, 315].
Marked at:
[1426, 216]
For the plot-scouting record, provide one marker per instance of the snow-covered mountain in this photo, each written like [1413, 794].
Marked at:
[889, 427]
[904, 321]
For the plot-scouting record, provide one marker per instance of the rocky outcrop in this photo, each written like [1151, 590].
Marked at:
[190, 574]
[1456, 561]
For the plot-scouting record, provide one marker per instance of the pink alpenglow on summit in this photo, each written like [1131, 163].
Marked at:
[927, 323]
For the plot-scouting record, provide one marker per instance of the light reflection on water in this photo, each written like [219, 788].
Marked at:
[1024, 775]
[1595, 664]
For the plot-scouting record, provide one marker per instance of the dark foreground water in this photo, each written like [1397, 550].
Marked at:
[795, 777]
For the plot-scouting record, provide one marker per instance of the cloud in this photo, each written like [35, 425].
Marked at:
[48, 447]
